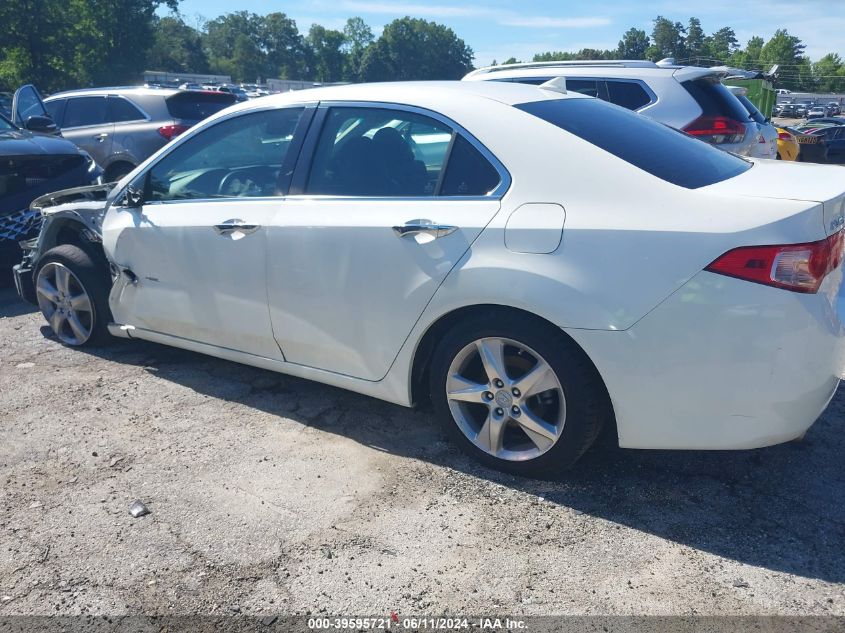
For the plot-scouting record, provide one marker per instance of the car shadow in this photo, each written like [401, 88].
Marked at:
[11, 305]
[780, 508]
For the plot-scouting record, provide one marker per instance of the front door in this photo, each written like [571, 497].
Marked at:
[193, 255]
[86, 123]
[392, 201]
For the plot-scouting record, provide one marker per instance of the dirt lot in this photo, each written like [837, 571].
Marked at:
[274, 494]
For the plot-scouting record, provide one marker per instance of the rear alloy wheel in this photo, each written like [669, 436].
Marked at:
[72, 291]
[506, 399]
[517, 394]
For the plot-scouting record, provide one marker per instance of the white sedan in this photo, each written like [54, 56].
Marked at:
[535, 264]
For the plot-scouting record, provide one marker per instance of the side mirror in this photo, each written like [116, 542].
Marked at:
[40, 124]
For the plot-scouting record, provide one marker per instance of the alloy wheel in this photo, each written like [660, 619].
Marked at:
[65, 303]
[506, 398]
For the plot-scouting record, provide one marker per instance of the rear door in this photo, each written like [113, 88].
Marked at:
[386, 202]
[86, 124]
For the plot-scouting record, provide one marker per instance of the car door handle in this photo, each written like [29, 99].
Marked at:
[235, 226]
[101, 137]
[424, 227]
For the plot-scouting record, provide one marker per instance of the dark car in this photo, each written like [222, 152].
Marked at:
[833, 109]
[788, 110]
[121, 127]
[824, 145]
[31, 165]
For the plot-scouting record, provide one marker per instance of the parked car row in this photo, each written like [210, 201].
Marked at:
[529, 260]
[807, 110]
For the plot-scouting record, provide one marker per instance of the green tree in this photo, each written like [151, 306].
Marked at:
[788, 52]
[722, 44]
[667, 40]
[232, 45]
[358, 36]
[633, 45]
[327, 59]
[412, 48]
[509, 60]
[695, 39]
[828, 73]
[283, 46]
[176, 47]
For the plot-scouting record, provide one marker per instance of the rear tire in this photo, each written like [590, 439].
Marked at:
[538, 433]
[73, 288]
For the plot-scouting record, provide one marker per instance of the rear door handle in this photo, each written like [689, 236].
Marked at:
[228, 227]
[101, 137]
[424, 227]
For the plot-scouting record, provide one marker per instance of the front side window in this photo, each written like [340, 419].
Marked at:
[378, 152]
[54, 109]
[241, 157]
[82, 111]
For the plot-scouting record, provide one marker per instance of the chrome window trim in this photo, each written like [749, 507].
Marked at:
[504, 175]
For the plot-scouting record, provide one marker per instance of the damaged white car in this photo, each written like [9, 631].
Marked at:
[507, 252]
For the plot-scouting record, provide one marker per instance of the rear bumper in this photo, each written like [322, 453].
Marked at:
[723, 364]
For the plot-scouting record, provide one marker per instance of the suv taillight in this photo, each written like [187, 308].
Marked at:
[172, 131]
[785, 136]
[716, 129]
[796, 267]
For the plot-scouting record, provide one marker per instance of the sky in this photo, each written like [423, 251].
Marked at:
[499, 29]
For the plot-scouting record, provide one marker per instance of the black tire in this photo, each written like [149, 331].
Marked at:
[92, 271]
[587, 403]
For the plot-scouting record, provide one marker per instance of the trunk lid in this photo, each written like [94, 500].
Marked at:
[817, 184]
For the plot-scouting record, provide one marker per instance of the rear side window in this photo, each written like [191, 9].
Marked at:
[715, 99]
[468, 173]
[82, 111]
[653, 147]
[196, 105]
[121, 110]
[627, 94]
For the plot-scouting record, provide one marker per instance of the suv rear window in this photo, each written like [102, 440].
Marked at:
[715, 99]
[196, 105]
[653, 147]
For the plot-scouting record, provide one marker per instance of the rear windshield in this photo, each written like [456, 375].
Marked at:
[715, 99]
[653, 147]
[196, 105]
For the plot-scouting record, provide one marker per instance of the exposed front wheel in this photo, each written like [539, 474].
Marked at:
[517, 394]
[72, 291]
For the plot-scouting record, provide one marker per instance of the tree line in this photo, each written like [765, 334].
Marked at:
[689, 44]
[60, 44]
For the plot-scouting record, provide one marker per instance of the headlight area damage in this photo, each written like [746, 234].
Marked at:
[69, 216]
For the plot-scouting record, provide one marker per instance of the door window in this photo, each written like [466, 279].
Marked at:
[378, 152]
[589, 87]
[241, 157]
[82, 111]
[121, 110]
[54, 109]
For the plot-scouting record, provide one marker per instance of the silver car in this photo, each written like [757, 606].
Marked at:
[687, 98]
[121, 127]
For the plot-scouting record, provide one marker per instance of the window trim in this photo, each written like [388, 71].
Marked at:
[653, 98]
[309, 148]
[285, 174]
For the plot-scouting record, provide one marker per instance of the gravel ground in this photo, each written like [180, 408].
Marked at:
[273, 494]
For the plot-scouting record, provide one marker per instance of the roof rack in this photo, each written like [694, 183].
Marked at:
[621, 63]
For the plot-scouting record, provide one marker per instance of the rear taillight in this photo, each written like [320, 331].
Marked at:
[796, 267]
[172, 131]
[716, 129]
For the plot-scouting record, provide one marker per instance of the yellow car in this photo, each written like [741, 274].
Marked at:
[788, 147]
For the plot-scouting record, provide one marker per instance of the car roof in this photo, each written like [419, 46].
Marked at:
[136, 90]
[418, 93]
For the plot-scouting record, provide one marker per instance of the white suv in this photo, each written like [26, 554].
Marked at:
[687, 98]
